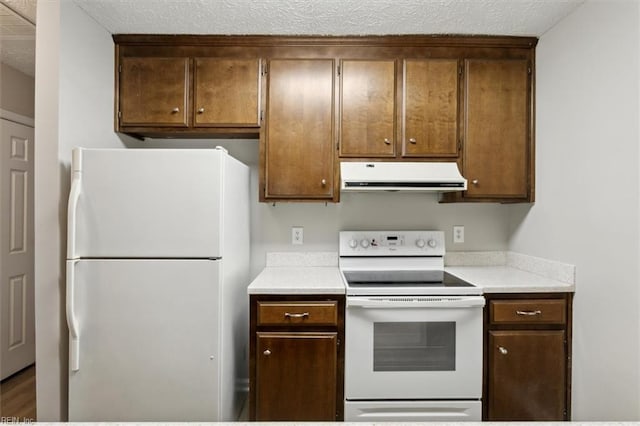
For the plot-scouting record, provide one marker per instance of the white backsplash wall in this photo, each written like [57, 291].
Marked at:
[486, 225]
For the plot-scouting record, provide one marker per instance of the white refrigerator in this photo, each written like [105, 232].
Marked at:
[157, 271]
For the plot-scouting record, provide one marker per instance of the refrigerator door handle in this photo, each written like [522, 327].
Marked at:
[72, 320]
[74, 196]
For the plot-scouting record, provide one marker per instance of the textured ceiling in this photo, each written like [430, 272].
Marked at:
[18, 35]
[285, 17]
[329, 17]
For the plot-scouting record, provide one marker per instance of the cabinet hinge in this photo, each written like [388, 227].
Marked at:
[119, 114]
[261, 115]
[338, 70]
[460, 70]
[528, 70]
[265, 69]
[119, 68]
[459, 145]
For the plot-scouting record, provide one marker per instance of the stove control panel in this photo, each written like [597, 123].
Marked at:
[391, 243]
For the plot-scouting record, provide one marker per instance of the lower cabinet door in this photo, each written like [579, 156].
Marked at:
[527, 375]
[296, 376]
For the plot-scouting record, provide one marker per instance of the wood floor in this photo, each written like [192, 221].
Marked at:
[18, 397]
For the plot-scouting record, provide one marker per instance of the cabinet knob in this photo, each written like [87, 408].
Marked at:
[267, 352]
[503, 350]
[200, 110]
[475, 181]
[324, 182]
[412, 140]
[387, 141]
[175, 110]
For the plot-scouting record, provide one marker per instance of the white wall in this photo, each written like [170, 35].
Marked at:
[74, 107]
[587, 207]
[17, 91]
[486, 225]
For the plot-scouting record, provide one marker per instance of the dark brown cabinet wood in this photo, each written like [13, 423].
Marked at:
[367, 108]
[190, 96]
[154, 92]
[314, 101]
[497, 129]
[527, 357]
[296, 376]
[296, 364]
[299, 135]
[226, 92]
[528, 372]
[430, 108]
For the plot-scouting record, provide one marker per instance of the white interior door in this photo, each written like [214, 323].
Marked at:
[17, 317]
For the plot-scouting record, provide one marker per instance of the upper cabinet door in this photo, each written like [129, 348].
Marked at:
[430, 108]
[154, 91]
[368, 108]
[497, 128]
[226, 92]
[299, 141]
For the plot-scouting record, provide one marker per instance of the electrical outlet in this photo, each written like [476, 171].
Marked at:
[458, 234]
[297, 235]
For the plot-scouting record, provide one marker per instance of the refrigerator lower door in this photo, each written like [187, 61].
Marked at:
[148, 333]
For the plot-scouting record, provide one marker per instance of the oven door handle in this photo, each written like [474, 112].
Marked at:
[415, 302]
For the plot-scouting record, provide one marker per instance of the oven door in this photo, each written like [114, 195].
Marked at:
[413, 348]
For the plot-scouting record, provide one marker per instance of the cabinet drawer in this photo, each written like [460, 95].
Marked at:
[534, 311]
[298, 313]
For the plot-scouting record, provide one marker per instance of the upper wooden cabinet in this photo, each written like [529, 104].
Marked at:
[430, 98]
[498, 150]
[226, 92]
[154, 92]
[314, 101]
[426, 108]
[497, 120]
[299, 135]
[367, 108]
[197, 96]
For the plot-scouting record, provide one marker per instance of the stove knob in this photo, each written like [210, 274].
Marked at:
[364, 243]
[420, 243]
[353, 243]
[432, 243]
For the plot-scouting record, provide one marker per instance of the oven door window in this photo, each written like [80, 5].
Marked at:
[414, 346]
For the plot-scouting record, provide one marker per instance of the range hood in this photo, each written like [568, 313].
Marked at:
[401, 176]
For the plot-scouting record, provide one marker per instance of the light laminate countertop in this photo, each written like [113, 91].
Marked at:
[318, 273]
[298, 280]
[506, 279]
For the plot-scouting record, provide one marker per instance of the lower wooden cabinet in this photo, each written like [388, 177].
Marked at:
[527, 357]
[296, 358]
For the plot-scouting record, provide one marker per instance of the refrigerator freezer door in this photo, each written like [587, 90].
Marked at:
[148, 333]
[147, 203]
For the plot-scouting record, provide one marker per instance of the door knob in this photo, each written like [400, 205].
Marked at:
[503, 350]
[267, 352]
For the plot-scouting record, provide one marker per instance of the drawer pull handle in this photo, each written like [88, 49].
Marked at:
[529, 313]
[302, 315]
[503, 350]
[267, 352]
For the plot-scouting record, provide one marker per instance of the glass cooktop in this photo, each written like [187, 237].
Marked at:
[395, 279]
